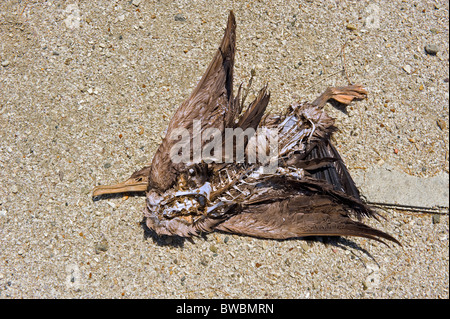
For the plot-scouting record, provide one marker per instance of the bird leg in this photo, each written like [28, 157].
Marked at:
[138, 182]
[343, 95]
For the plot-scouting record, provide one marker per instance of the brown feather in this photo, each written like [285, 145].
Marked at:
[211, 102]
[299, 217]
[255, 111]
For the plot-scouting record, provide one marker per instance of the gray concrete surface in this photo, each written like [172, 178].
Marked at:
[386, 186]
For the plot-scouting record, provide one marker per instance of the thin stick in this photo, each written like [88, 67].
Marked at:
[252, 74]
[434, 210]
[26, 3]
[342, 54]
[344, 63]
[315, 83]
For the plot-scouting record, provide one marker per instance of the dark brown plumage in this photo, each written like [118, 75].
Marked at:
[310, 193]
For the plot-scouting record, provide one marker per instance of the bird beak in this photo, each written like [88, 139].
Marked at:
[125, 187]
[138, 182]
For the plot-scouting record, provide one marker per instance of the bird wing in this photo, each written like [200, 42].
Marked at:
[288, 209]
[280, 208]
[211, 102]
[301, 216]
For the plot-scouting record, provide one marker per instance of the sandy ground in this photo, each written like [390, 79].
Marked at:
[87, 89]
